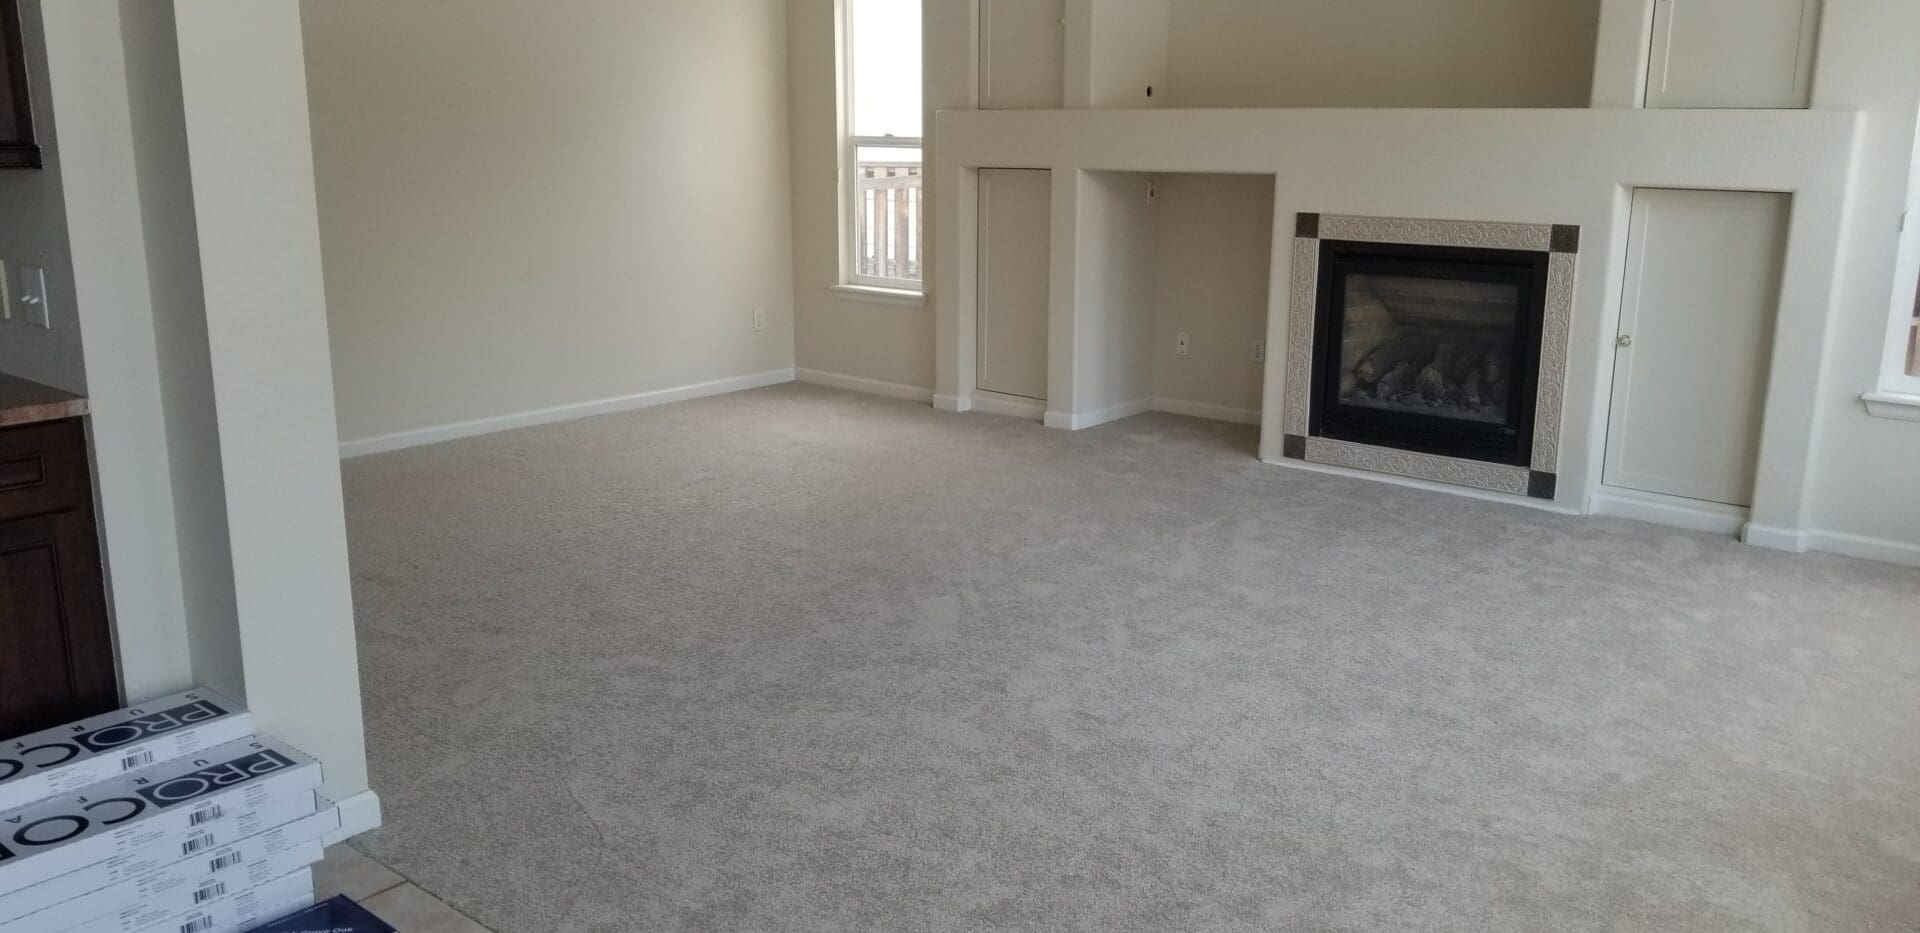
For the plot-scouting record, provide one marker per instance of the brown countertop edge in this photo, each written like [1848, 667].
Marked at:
[24, 402]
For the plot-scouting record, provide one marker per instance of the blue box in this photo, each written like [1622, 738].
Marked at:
[338, 915]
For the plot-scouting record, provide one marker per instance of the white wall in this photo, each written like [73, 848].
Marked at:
[185, 367]
[1381, 53]
[1113, 291]
[34, 233]
[1865, 480]
[1216, 248]
[87, 87]
[529, 205]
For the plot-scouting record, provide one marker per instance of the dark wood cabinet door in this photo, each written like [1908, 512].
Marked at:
[56, 651]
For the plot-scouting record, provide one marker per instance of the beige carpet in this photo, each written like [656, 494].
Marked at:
[797, 659]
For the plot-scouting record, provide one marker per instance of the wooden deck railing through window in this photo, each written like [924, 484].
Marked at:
[888, 221]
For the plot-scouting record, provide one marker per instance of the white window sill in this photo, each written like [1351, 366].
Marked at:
[884, 296]
[1897, 405]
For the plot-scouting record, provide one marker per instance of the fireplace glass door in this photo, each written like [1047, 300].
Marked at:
[1430, 349]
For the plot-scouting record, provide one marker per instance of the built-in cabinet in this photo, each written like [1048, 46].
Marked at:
[1022, 54]
[1015, 219]
[1695, 342]
[1732, 53]
[56, 652]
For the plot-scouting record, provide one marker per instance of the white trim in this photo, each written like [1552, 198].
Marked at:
[1393, 479]
[1013, 406]
[359, 813]
[1779, 539]
[1071, 422]
[1865, 548]
[447, 432]
[1693, 514]
[952, 403]
[863, 384]
[1207, 410]
[880, 296]
[1896, 405]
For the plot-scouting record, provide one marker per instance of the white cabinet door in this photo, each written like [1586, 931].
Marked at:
[1016, 215]
[1023, 54]
[1695, 342]
[1732, 53]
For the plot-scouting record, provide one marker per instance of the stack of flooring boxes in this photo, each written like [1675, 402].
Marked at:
[170, 817]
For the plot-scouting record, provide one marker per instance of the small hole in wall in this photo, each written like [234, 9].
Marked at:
[1149, 90]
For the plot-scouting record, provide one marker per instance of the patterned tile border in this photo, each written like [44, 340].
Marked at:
[1562, 240]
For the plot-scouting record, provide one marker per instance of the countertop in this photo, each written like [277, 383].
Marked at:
[23, 402]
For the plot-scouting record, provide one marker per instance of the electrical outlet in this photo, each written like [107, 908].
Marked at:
[759, 319]
[33, 297]
[1180, 343]
[1259, 350]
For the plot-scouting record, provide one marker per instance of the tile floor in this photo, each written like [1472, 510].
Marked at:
[391, 897]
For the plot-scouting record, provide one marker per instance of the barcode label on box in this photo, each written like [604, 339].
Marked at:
[208, 892]
[197, 925]
[199, 843]
[205, 815]
[137, 760]
[224, 862]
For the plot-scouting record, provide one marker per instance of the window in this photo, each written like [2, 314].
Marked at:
[883, 157]
[1913, 340]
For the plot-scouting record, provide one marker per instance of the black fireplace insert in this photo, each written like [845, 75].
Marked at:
[1433, 349]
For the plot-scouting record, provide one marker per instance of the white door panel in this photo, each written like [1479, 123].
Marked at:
[1023, 52]
[1732, 53]
[1695, 342]
[1016, 215]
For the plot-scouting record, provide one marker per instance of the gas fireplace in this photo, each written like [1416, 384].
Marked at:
[1428, 348]
[1432, 349]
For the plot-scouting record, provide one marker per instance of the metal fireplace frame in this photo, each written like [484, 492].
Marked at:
[1558, 243]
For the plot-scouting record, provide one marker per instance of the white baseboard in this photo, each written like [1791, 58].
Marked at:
[1779, 539]
[954, 403]
[1013, 406]
[525, 419]
[1071, 422]
[1691, 514]
[358, 814]
[821, 377]
[1861, 546]
[1207, 410]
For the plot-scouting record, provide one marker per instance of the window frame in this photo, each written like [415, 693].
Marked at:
[851, 200]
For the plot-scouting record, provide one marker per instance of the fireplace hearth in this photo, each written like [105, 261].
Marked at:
[1430, 349]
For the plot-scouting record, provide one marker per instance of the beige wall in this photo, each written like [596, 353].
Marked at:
[1381, 53]
[533, 205]
[1216, 244]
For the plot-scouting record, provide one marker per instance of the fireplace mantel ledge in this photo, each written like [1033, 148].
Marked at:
[1897, 405]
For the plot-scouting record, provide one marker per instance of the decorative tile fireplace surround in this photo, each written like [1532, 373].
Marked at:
[1431, 349]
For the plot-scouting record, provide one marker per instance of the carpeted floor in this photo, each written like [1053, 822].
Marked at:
[797, 659]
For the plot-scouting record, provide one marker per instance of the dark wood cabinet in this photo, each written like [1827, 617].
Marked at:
[56, 651]
[18, 146]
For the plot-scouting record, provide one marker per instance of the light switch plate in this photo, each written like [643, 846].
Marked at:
[33, 297]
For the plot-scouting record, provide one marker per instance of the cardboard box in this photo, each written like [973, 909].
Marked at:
[244, 910]
[78, 895]
[191, 894]
[174, 802]
[64, 759]
[338, 914]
